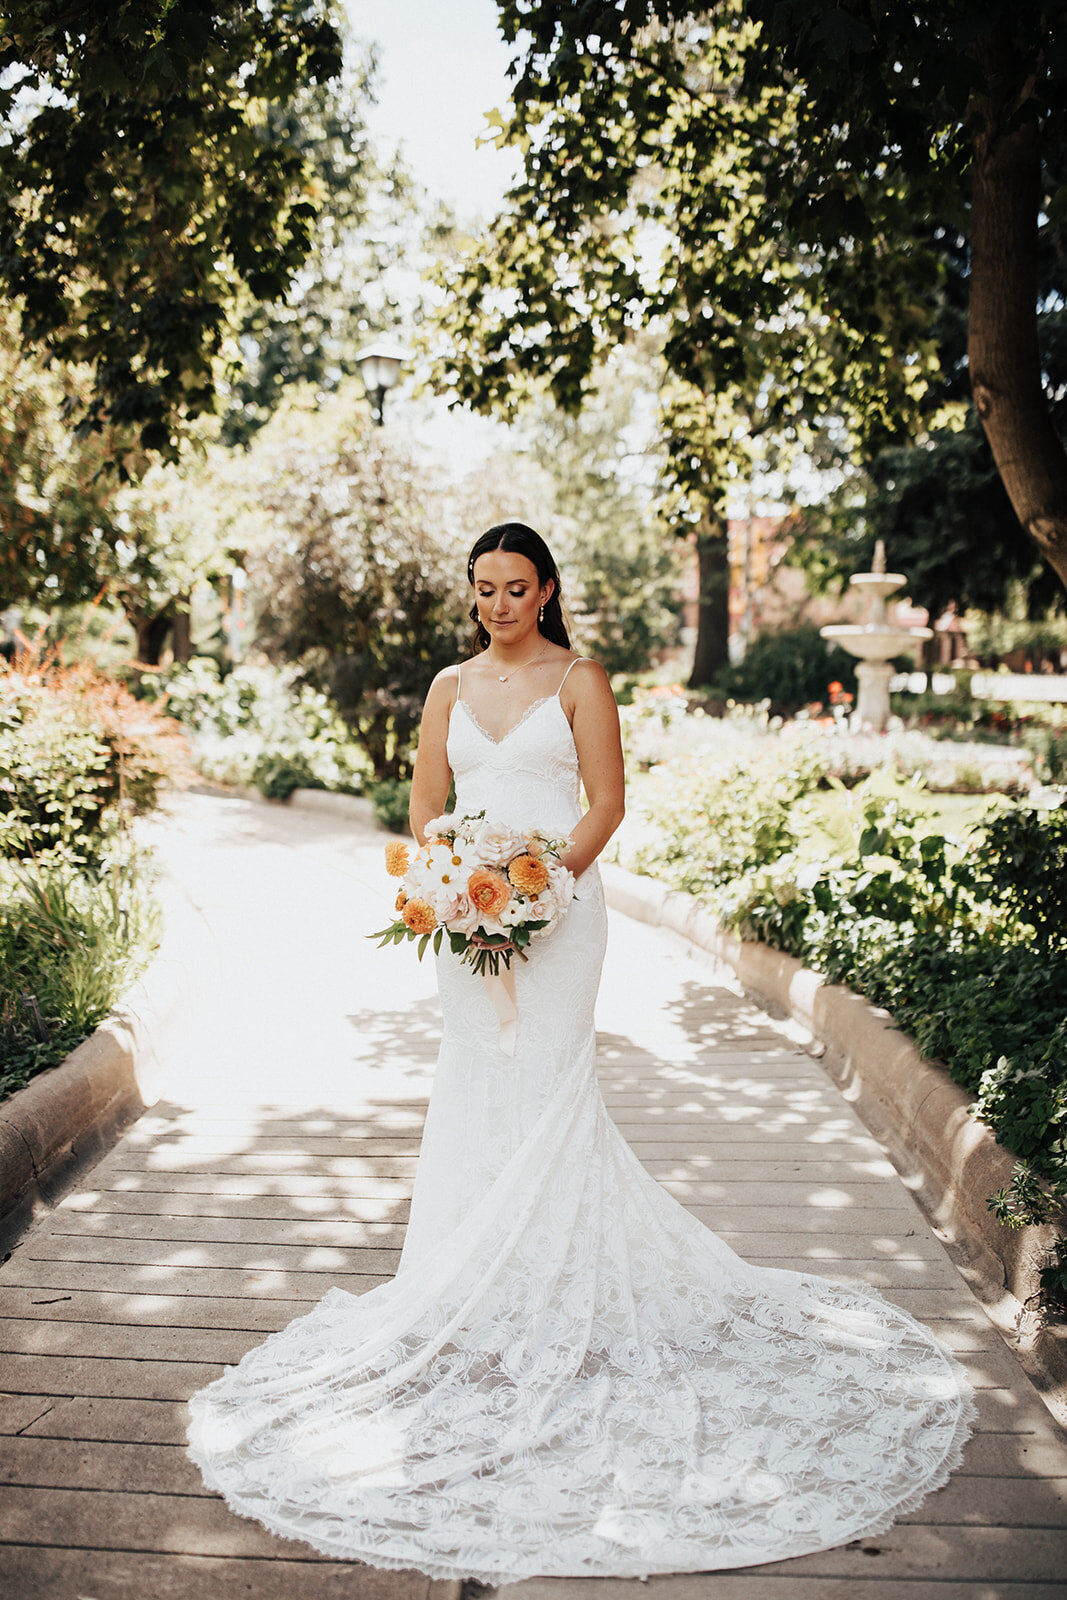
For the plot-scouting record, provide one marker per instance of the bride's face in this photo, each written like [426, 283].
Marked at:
[508, 595]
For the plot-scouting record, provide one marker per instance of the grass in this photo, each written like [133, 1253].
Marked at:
[832, 811]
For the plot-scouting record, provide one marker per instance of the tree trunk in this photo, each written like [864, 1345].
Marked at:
[151, 634]
[182, 639]
[1002, 335]
[713, 602]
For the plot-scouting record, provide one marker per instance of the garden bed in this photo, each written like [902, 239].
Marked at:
[960, 932]
[80, 759]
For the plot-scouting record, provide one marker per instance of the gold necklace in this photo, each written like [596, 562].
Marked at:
[504, 676]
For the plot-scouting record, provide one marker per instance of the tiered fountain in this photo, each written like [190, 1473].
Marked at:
[875, 642]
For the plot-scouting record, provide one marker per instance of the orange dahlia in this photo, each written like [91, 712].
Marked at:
[419, 916]
[489, 891]
[396, 858]
[401, 900]
[528, 874]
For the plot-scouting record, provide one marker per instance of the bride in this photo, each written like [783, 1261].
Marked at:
[569, 1374]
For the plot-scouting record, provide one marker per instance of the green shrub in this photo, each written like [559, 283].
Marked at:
[78, 756]
[790, 669]
[1023, 868]
[391, 799]
[713, 823]
[70, 941]
[1048, 747]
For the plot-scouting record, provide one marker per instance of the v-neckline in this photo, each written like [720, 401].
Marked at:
[515, 726]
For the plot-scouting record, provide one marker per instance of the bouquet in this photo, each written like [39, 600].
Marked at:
[489, 887]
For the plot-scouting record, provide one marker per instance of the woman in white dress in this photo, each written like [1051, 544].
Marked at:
[569, 1374]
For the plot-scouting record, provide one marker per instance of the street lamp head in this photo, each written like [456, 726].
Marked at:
[379, 366]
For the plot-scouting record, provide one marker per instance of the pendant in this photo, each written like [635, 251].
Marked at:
[503, 677]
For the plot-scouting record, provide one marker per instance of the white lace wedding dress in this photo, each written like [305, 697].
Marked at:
[569, 1374]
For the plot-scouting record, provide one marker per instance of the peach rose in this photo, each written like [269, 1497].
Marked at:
[528, 874]
[396, 858]
[489, 891]
[419, 916]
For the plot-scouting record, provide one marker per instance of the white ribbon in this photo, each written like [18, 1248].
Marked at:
[500, 987]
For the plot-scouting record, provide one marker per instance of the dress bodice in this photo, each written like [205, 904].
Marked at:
[529, 778]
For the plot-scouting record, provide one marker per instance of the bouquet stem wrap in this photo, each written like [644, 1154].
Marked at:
[500, 987]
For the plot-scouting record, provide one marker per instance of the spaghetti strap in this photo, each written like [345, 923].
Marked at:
[565, 676]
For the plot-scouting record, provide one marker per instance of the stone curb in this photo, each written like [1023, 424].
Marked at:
[948, 1160]
[70, 1115]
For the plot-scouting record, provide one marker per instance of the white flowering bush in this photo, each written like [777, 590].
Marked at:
[259, 726]
[659, 727]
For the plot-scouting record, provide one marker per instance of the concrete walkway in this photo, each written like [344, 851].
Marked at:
[280, 1161]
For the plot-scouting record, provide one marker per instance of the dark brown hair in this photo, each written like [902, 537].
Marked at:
[517, 539]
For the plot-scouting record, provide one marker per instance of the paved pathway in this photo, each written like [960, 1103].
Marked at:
[280, 1161]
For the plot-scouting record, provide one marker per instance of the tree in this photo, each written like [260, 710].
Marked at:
[643, 206]
[181, 524]
[951, 95]
[954, 109]
[341, 295]
[939, 503]
[149, 175]
[621, 567]
[355, 582]
[56, 507]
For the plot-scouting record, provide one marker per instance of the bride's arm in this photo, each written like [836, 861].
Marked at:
[431, 777]
[599, 745]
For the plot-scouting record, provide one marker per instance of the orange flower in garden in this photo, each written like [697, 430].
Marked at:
[396, 858]
[401, 900]
[419, 916]
[489, 891]
[528, 874]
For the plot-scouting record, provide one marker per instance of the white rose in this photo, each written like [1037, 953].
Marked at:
[453, 909]
[496, 844]
[561, 883]
[439, 825]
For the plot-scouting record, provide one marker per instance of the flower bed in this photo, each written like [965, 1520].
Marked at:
[660, 725]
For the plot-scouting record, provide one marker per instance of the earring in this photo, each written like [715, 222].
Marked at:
[541, 614]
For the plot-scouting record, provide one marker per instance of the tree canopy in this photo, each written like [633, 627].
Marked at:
[340, 296]
[647, 203]
[867, 122]
[149, 174]
[938, 502]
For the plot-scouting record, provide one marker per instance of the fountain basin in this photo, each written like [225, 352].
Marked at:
[873, 643]
[880, 584]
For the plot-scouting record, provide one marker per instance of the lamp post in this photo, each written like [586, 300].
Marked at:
[379, 367]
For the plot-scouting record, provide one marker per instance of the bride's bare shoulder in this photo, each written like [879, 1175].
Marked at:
[444, 688]
[588, 677]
